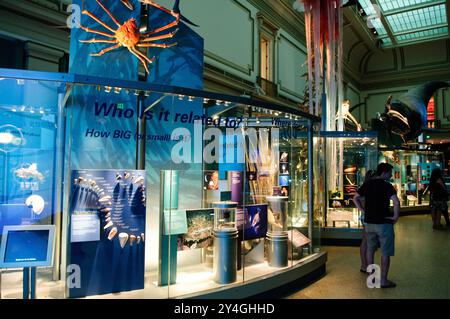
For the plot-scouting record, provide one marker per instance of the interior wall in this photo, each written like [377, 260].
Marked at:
[394, 71]
[290, 80]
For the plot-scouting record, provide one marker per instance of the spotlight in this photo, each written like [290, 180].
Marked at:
[146, 93]
[13, 109]
[107, 89]
[117, 90]
[191, 98]
[218, 102]
[227, 103]
[180, 97]
[258, 121]
[205, 100]
[31, 110]
[136, 92]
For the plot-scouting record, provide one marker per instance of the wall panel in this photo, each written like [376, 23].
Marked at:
[290, 67]
[230, 33]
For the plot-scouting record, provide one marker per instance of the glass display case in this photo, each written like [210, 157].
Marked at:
[411, 173]
[141, 178]
[356, 152]
[31, 144]
[224, 215]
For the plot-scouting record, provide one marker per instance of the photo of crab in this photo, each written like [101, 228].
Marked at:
[255, 221]
[200, 224]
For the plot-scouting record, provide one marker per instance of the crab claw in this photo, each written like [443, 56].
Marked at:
[127, 4]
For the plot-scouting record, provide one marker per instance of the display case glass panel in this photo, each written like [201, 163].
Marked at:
[411, 173]
[357, 153]
[30, 161]
[155, 205]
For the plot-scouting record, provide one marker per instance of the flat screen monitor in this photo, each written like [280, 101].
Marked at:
[27, 246]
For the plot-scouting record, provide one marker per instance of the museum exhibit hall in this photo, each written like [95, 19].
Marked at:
[216, 149]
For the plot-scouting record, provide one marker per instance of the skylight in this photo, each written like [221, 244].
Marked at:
[416, 19]
[389, 5]
[406, 21]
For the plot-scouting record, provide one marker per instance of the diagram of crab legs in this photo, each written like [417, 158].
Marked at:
[128, 34]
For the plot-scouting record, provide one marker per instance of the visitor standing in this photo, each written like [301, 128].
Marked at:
[438, 198]
[378, 219]
[363, 247]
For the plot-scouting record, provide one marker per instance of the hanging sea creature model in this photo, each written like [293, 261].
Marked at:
[349, 120]
[407, 116]
[128, 35]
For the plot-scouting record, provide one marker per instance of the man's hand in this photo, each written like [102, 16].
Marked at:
[396, 208]
[358, 204]
[394, 219]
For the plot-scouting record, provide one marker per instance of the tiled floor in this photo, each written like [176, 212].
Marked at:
[421, 266]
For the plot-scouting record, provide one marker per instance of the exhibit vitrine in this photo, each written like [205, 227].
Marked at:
[411, 173]
[173, 192]
[357, 153]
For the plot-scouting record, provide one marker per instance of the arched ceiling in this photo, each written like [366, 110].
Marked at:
[371, 64]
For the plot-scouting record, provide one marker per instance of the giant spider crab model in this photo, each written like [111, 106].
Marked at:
[128, 34]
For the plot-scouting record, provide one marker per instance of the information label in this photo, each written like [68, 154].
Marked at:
[85, 227]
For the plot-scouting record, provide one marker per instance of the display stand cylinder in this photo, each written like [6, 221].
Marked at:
[225, 255]
[278, 249]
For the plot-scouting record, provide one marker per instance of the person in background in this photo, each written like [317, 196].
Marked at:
[378, 219]
[363, 247]
[438, 198]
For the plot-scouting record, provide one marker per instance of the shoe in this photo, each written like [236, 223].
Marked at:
[363, 271]
[390, 284]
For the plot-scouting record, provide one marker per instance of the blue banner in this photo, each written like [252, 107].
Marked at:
[102, 120]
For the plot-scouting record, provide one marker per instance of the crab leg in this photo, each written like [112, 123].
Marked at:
[159, 37]
[109, 13]
[170, 25]
[158, 6]
[156, 45]
[142, 55]
[98, 40]
[97, 32]
[98, 20]
[141, 59]
[174, 14]
[127, 4]
[106, 50]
